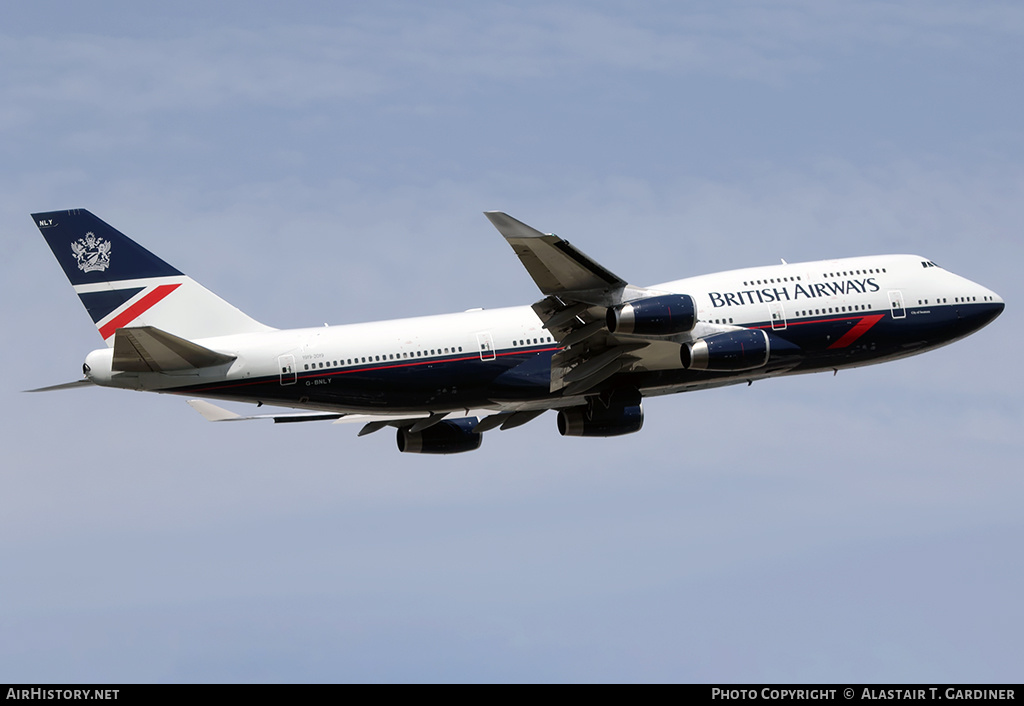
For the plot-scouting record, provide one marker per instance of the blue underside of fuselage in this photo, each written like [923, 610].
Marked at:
[463, 380]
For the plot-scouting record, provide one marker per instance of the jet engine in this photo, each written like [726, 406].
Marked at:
[596, 418]
[727, 352]
[666, 315]
[447, 437]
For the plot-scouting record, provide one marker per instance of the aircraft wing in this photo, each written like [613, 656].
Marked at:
[416, 421]
[555, 265]
[579, 293]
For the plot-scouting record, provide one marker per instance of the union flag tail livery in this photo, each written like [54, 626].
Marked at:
[122, 284]
[591, 349]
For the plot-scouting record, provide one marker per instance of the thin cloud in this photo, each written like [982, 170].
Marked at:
[355, 57]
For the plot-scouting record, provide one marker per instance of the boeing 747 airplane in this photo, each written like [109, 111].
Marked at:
[591, 349]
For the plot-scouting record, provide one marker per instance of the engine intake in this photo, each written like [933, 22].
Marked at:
[728, 352]
[666, 315]
[448, 437]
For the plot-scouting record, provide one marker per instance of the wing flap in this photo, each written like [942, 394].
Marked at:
[507, 420]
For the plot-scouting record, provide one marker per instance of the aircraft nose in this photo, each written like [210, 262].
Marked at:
[982, 314]
[996, 308]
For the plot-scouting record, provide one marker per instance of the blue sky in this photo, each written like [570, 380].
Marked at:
[330, 164]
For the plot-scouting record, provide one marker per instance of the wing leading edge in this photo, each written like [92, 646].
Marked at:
[555, 265]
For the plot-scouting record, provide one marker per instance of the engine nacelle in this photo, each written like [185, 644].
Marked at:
[666, 315]
[448, 437]
[728, 352]
[595, 419]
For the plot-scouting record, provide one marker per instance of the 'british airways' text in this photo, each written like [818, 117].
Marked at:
[799, 291]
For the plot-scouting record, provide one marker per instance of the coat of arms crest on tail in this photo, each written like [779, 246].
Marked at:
[92, 253]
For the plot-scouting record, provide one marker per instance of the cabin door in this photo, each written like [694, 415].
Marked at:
[486, 345]
[286, 363]
[896, 304]
[778, 315]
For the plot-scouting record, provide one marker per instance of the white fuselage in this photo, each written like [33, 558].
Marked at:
[303, 363]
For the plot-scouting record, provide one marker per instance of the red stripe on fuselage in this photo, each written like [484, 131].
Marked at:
[857, 331]
[136, 310]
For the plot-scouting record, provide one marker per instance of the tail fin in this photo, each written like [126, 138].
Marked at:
[123, 284]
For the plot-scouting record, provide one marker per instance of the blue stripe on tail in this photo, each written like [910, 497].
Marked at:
[99, 304]
[91, 251]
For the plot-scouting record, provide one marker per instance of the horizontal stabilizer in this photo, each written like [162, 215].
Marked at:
[84, 382]
[147, 349]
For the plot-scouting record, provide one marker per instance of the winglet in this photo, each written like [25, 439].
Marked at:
[555, 265]
[213, 413]
[510, 227]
